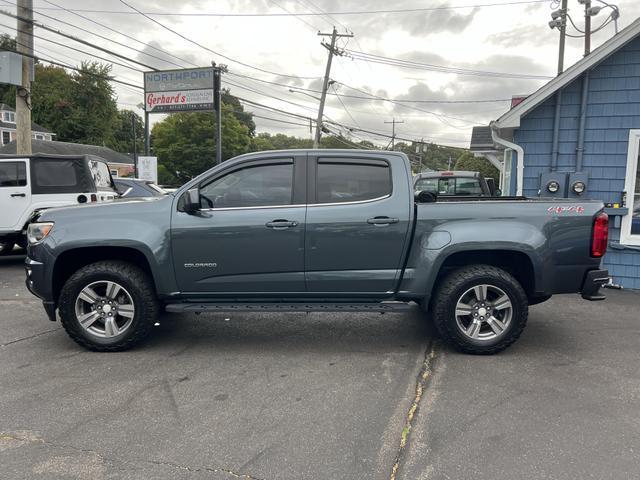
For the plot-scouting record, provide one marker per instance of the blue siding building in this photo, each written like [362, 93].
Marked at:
[599, 101]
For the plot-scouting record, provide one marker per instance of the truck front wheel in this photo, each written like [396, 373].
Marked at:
[480, 309]
[6, 247]
[108, 306]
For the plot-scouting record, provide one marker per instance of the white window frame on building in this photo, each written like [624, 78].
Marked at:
[9, 117]
[633, 159]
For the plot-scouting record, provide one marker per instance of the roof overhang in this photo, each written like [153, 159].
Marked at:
[511, 119]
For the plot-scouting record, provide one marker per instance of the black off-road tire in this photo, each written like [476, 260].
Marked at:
[134, 280]
[453, 286]
[6, 247]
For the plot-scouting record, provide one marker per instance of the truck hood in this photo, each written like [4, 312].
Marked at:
[121, 208]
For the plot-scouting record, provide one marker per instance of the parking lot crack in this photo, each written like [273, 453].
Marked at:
[422, 382]
[35, 335]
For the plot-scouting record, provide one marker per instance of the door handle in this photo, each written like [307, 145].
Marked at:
[281, 224]
[18, 194]
[382, 220]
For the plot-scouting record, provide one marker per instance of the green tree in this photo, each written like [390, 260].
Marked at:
[184, 142]
[122, 140]
[468, 161]
[79, 107]
[95, 111]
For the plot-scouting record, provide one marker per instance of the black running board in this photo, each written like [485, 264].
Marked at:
[287, 307]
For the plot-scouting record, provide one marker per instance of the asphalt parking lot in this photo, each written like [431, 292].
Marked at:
[320, 396]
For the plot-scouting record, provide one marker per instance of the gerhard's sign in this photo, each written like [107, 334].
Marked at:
[179, 90]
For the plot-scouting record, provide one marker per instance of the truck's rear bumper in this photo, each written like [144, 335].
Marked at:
[593, 280]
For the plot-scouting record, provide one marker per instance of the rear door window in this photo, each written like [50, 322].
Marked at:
[341, 182]
[13, 174]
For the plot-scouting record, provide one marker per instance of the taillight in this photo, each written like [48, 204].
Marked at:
[94, 197]
[600, 236]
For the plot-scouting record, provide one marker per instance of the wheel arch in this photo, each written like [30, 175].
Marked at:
[517, 263]
[71, 260]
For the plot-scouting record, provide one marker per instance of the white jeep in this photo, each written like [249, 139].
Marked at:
[30, 183]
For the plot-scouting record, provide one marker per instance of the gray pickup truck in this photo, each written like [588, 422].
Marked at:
[313, 230]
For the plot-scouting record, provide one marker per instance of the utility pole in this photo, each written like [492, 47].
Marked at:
[563, 35]
[449, 164]
[587, 27]
[393, 131]
[23, 93]
[217, 105]
[135, 146]
[325, 84]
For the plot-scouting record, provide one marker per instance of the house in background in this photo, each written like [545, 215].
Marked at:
[578, 137]
[8, 127]
[120, 165]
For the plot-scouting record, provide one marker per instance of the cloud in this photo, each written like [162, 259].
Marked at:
[523, 35]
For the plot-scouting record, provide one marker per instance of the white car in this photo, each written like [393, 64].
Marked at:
[31, 183]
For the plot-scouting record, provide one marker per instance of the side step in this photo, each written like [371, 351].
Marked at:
[287, 307]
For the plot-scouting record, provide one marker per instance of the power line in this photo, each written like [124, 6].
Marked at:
[406, 100]
[38, 12]
[84, 71]
[396, 62]
[345, 108]
[297, 17]
[76, 49]
[79, 40]
[184, 37]
[314, 14]
[439, 116]
[120, 33]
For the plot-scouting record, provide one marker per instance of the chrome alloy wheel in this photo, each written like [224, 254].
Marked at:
[483, 312]
[104, 309]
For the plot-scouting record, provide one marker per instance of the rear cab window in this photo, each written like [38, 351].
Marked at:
[450, 186]
[352, 180]
[13, 174]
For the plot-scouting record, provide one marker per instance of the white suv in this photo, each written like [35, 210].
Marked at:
[31, 183]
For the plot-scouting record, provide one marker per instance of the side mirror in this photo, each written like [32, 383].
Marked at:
[192, 200]
[424, 196]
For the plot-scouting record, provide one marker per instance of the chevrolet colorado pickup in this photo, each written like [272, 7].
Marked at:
[313, 230]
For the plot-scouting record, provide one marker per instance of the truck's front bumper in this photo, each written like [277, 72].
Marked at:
[37, 282]
[593, 280]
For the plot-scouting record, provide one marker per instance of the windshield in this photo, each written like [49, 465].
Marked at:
[450, 185]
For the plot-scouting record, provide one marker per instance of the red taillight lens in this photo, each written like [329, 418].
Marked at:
[600, 236]
[94, 197]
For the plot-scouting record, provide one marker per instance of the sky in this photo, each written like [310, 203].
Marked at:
[468, 57]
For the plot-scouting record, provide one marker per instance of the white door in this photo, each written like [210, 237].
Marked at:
[15, 193]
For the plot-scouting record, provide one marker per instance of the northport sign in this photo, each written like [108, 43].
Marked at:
[179, 90]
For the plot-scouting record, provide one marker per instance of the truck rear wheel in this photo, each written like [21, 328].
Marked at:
[480, 309]
[108, 306]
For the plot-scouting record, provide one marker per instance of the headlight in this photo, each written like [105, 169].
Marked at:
[579, 187]
[36, 232]
[553, 186]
